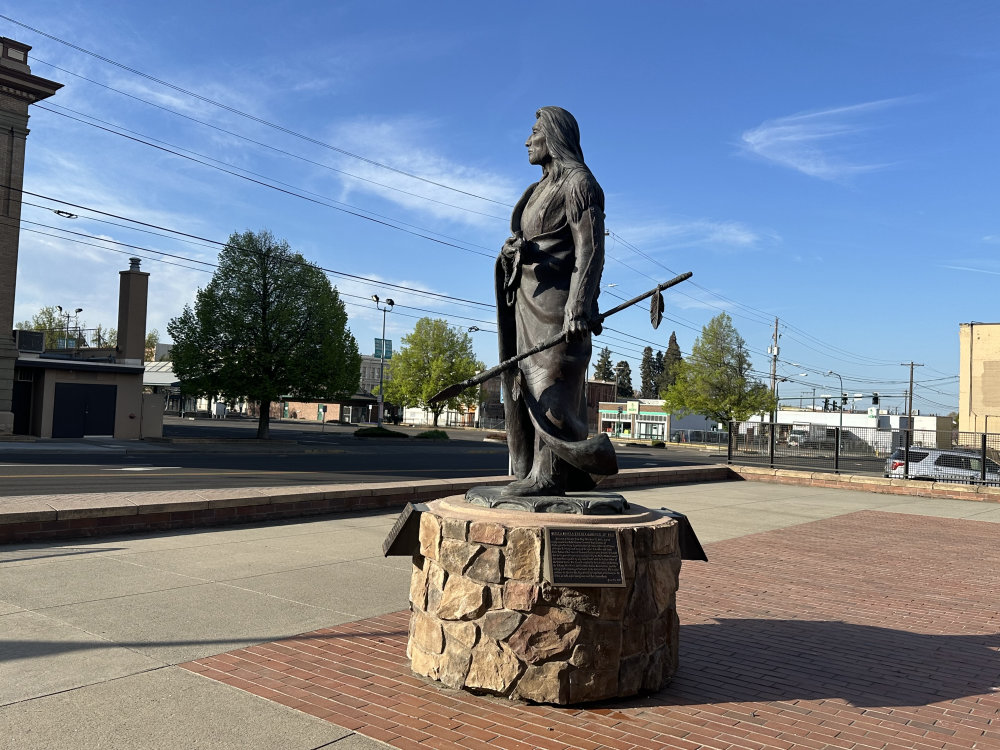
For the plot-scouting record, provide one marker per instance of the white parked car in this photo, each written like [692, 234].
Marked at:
[943, 465]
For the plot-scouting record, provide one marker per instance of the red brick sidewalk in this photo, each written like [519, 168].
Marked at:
[871, 630]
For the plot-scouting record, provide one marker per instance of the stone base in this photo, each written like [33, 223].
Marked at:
[485, 620]
[6, 423]
[581, 503]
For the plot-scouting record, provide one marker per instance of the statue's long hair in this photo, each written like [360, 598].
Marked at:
[562, 135]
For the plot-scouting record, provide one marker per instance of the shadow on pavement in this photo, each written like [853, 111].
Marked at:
[748, 660]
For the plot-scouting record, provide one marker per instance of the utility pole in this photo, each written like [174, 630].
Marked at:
[909, 399]
[909, 419]
[774, 359]
[773, 351]
[384, 307]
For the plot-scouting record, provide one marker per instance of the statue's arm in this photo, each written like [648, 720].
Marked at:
[587, 226]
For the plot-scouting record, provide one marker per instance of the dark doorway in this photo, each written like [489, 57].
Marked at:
[82, 409]
[21, 403]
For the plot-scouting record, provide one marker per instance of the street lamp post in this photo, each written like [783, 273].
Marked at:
[385, 307]
[76, 326]
[66, 315]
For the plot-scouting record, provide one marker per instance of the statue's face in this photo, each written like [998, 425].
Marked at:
[538, 147]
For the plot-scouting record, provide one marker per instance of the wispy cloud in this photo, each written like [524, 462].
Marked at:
[972, 270]
[408, 145]
[703, 233]
[822, 144]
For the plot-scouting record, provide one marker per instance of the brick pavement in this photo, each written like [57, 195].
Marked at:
[868, 630]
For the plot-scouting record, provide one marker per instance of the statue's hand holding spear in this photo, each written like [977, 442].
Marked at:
[655, 315]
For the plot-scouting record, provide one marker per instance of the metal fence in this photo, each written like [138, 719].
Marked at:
[710, 437]
[933, 455]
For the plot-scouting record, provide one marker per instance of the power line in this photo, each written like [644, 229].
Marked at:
[323, 144]
[241, 169]
[292, 193]
[268, 146]
[134, 248]
[223, 244]
[247, 115]
[753, 311]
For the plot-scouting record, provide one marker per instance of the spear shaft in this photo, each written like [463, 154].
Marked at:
[454, 389]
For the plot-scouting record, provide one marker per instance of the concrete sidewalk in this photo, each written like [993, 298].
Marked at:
[93, 631]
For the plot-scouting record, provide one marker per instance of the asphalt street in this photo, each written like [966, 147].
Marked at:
[206, 454]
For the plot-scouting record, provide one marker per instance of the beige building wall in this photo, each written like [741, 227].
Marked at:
[979, 377]
[128, 402]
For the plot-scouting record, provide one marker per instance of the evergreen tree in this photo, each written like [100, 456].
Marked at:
[624, 373]
[658, 371]
[647, 374]
[671, 360]
[603, 370]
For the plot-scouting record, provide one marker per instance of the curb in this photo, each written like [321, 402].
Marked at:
[34, 518]
[869, 483]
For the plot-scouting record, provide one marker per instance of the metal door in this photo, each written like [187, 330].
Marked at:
[82, 410]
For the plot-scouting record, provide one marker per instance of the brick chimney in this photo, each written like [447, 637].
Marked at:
[133, 294]
[18, 89]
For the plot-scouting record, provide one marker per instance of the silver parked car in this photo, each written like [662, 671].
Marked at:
[943, 465]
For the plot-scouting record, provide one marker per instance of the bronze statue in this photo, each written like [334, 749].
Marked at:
[548, 277]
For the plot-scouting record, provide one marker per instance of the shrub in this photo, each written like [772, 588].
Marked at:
[433, 435]
[659, 444]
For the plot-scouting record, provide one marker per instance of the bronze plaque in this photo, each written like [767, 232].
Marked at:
[583, 556]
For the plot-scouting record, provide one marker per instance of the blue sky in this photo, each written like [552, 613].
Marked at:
[829, 164]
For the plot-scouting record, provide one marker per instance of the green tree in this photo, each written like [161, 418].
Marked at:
[624, 373]
[431, 358]
[715, 379]
[670, 361]
[603, 370]
[152, 339]
[647, 374]
[268, 324]
[658, 371]
[49, 320]
[105, 337]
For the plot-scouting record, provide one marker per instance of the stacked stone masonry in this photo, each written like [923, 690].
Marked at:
[484, 618]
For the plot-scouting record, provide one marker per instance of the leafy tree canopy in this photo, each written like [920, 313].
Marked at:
[268, 325]
[715, 379]
[431, 358]
[152, 339]
[602, 369]
[55, 325]
[106, 337]
[624, 373]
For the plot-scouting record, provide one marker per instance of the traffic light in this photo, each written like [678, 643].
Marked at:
[826, 404]
[843, 398]
[874, 399]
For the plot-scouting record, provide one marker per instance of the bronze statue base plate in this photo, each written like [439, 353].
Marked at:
[579, 503]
